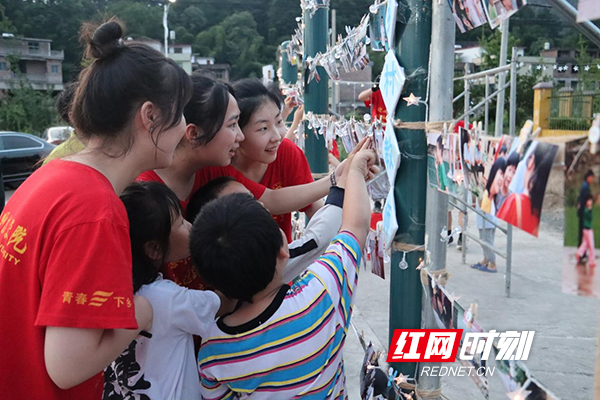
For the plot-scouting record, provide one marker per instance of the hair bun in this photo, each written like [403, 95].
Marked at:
[104, 40]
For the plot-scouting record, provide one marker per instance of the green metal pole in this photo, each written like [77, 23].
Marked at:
[316, 97]
[289, 72]
[411, 180]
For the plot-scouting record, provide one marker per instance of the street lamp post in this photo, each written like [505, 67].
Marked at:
[165, 25]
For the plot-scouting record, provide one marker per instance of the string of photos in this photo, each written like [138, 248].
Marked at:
[378, 381]
[295, 47]
[351, 51]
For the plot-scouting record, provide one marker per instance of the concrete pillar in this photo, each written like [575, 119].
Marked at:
[541, 105]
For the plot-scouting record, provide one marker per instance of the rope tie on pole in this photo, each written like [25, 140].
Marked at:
[426, 126]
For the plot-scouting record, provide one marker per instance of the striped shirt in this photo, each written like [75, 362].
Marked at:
[294, 348]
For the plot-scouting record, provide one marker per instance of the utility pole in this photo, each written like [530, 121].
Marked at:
[441, 87]
[410, 190]
[501, 79]
[316, 94]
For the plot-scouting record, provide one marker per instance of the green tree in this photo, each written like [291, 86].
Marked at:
[236, 41]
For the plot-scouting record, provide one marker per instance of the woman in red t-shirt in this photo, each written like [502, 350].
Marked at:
[263, 156]
[66, 291]
[212, 138]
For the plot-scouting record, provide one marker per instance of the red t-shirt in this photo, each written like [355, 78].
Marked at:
[290, 168]
[181, 272]
[378, 109]
[66, 261]
[151, 176]
[516, 210]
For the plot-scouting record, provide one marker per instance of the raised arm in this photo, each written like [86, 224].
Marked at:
[357, 211]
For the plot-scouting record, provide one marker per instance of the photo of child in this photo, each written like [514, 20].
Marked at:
[523, 207]
[582, 223]
[444, 162]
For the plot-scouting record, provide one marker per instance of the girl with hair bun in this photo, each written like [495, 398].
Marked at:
[66, 270]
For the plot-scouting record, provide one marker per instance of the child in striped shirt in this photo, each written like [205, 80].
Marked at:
[282, 341]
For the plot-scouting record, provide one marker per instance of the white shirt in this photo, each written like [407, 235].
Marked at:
[164, 366]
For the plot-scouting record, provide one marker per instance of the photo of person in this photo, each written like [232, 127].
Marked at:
[513, 374]
[468, 14]
[443, 162]
[582, 223]
[523, 207]
[497, 10]
[442, 305]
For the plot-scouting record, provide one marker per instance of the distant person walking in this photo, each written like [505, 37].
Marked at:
[584, 193]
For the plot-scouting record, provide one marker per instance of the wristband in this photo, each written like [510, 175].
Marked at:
[336, 196]
[332, 179]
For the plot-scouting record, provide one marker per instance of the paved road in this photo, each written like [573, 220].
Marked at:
[564, 350]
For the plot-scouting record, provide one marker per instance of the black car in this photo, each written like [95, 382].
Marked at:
[20, 154]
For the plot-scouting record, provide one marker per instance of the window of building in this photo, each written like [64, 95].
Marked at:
[34, 47]
[219, 74]
[178, 50]
[54, 69]
[3, 66]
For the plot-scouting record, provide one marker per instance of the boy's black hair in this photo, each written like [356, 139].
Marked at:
[513, 159]
[251, 94]
[234, 245]
[588, 174]
[151, 209]
[205, 194]
[208, 106]
[440, 143]
[65, 99]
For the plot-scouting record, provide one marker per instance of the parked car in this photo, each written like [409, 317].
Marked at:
[57, 134]
[20, 154]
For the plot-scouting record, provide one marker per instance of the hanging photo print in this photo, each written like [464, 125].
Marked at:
[392, 82]
[390, 224]
[463, 320]
[391, 153]
[468, 14]
[506, 178]
[498, 10]
[443, 163]
[377, 30]
[390, 22]
[582, 221]
[588, 10]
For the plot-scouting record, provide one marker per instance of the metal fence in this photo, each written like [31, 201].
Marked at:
[573, 111]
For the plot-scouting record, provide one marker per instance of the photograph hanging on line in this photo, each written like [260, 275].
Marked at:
[582, 221]
[459, 321]
[468, 14]
[505, 178]
[441, 303]
[497, 10]
[443, 162]
[588, 10]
